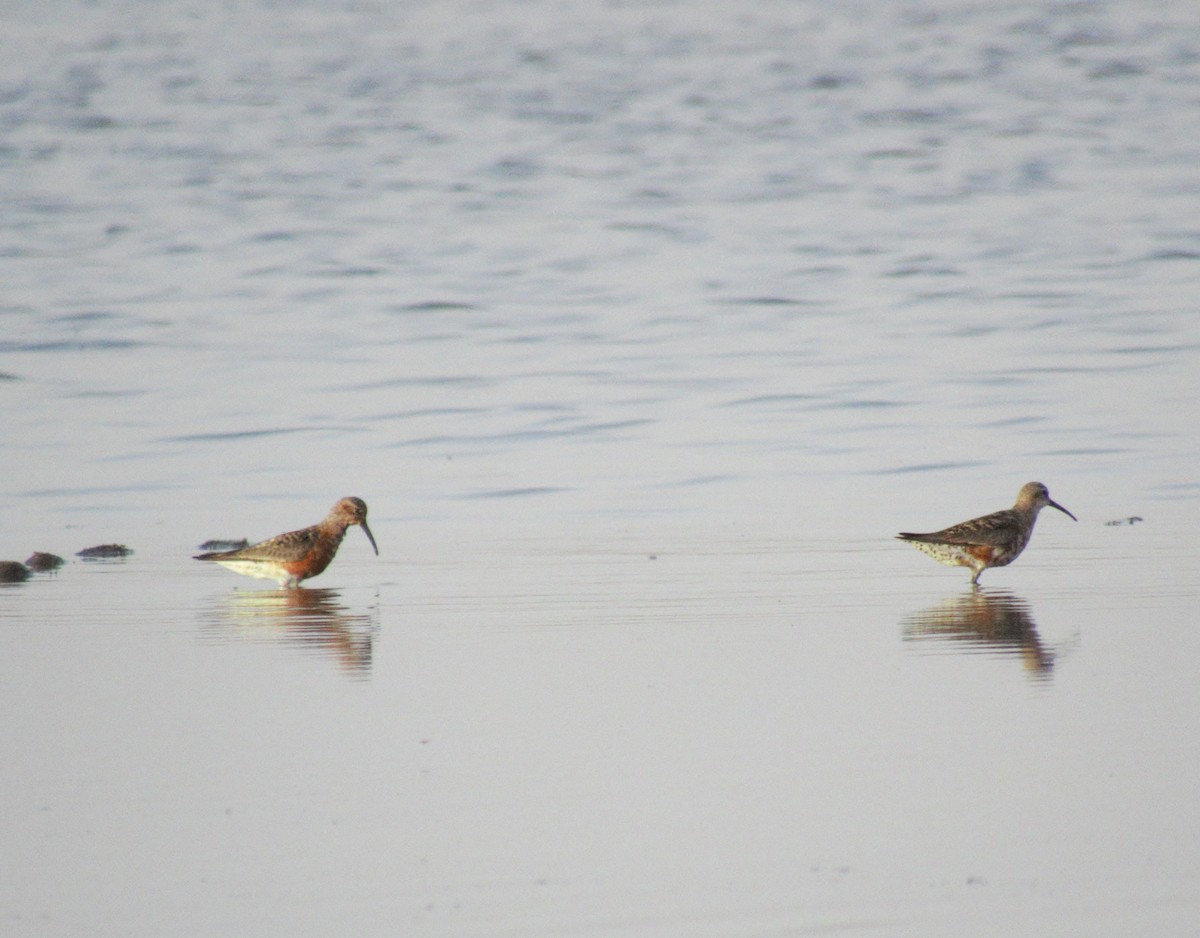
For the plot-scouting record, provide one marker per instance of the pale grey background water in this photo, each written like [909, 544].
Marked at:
[641, 328]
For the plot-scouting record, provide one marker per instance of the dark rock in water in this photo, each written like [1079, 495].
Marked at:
[40, 562]
[1132, 519]
[219, 544]
[104, 552]
[13, 572]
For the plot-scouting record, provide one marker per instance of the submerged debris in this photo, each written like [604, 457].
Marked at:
[1132, 519]
[218, 544]
[40, 562]
[104, 552]
[13, 572]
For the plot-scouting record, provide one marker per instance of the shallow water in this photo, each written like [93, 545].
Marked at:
[641, 329]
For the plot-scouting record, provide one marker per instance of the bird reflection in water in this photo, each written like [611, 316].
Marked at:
[987, 622]
[314, 619]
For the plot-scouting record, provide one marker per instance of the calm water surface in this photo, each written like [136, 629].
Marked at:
[641, 329]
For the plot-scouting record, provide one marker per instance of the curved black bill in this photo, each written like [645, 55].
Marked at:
[370, 537]
[1052, 504]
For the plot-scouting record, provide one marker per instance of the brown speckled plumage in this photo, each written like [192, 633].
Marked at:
[297, 555]
[994, 540]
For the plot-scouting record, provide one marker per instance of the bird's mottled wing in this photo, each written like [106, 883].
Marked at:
[994, 530]
[292, 546]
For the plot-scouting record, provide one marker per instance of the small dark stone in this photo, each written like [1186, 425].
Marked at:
[218, 544]
[40, 562]
[104, 552]
[13, 572]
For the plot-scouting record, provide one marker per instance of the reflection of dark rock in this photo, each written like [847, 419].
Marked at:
[996, 622]
[219, 544]
[1132, 519]
[104, 552]
[40, 562]
[314, 619]
[13, 572]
